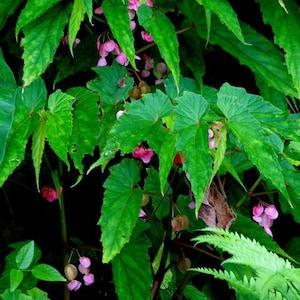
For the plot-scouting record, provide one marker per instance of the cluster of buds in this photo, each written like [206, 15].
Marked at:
[71, 273]
[264, 214]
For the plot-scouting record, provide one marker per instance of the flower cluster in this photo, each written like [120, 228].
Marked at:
[264, 214]
[71, 273]
[145, 154]
[49, 193]
[159, 70]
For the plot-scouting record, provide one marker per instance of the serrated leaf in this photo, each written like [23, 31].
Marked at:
[16, 276]
[32, 10]
[286, 28]
[37, 294]
[25, 256]
[121, 207]
[47, 273]
[107, 84]
[7, 8]
[192, 140]
[85, 116]
[163, 32]
[59, 123]
[142, 121]
[269, 67]
[116, 14]
[38, 145]
[226, 14]
[14, 295]
[41, 39]
[249, 132]
[133, 281]
[77, 16]
[192, 293]
[7, 103]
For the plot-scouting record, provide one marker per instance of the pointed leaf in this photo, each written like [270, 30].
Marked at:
[16, 276]
[249, 132]
[47, 273]
[7, 8]
[25, 256]
[85, 117]
[142, 121]
[226, 14]
[59, 123]
[286, 27]
[77, 16]
[117, 17]
[121, 207]
[89, 9]
[7, 103]
[32, 10]
[164, 35]
[38, 145]
[192, 140]
[41, 39]
[131, 268]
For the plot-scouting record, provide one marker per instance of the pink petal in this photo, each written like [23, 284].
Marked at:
[271, 212]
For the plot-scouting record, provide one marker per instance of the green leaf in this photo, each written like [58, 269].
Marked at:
[286, 27]
[142, 121]
[47, 273]
[14, 295]
[116, 14]
[16, 277]
[107, 84]
[41, 39]
[246, 127]
[192, 140]
[38, 294]
[269, 67]
[89, 9]
[25, 256]
[226, 14]
[77, 16]
[85, 116]
[163, 32]
[32, 10]
[7, 103]
[192, 293]
[59, 123]
[131, 268]
[121, 206]
[38, 145]
[7, 8]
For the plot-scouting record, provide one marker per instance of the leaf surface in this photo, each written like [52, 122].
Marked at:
[116, 14]
[7, 8]
[16, 277]
[164, 35]
[41, 39]
[25, 256]
[121, 206]
[47, 273]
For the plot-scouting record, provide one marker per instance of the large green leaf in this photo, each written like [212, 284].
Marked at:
[244, 124]
[59, 123]
[85, 131]
[163, 32]
[226, 14]
[47, 273]
[131, 268]
[32, 10]
[192, 140]
[7, 8]
[7, 103]
[142, 121]
[116, 14]
[286, 27]
[41, 39]
[25, 256]
[77, 16]
[121, 206]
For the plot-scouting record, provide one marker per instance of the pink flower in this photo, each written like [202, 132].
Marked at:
[74, 285]
[161, 67]
[122, 59]
[109, 45]
[146, 36]
[144, 154]
[101, 62]
[83, 270]
[132, 25]
[133, 5]
[88, 279]
[49, 193]
[264, 214]
[142, 214]
[99, 11]
[85, 261]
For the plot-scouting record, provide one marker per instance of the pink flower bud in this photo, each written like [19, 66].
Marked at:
[88, 279]
[102, 51]
[74, 285]
[109, 46]
[122, 59]
[120, 113]
[132, 25]
[83, 270]
[101, 62]
[271, 212]
[144, 154]
[85, 261]
[146, 36]
[49, 193]
[99, 11]
[257, 210]
[161, 67]
[145, 73]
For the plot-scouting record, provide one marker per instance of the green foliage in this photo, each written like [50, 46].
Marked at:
[203, 127]
[271, 276]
